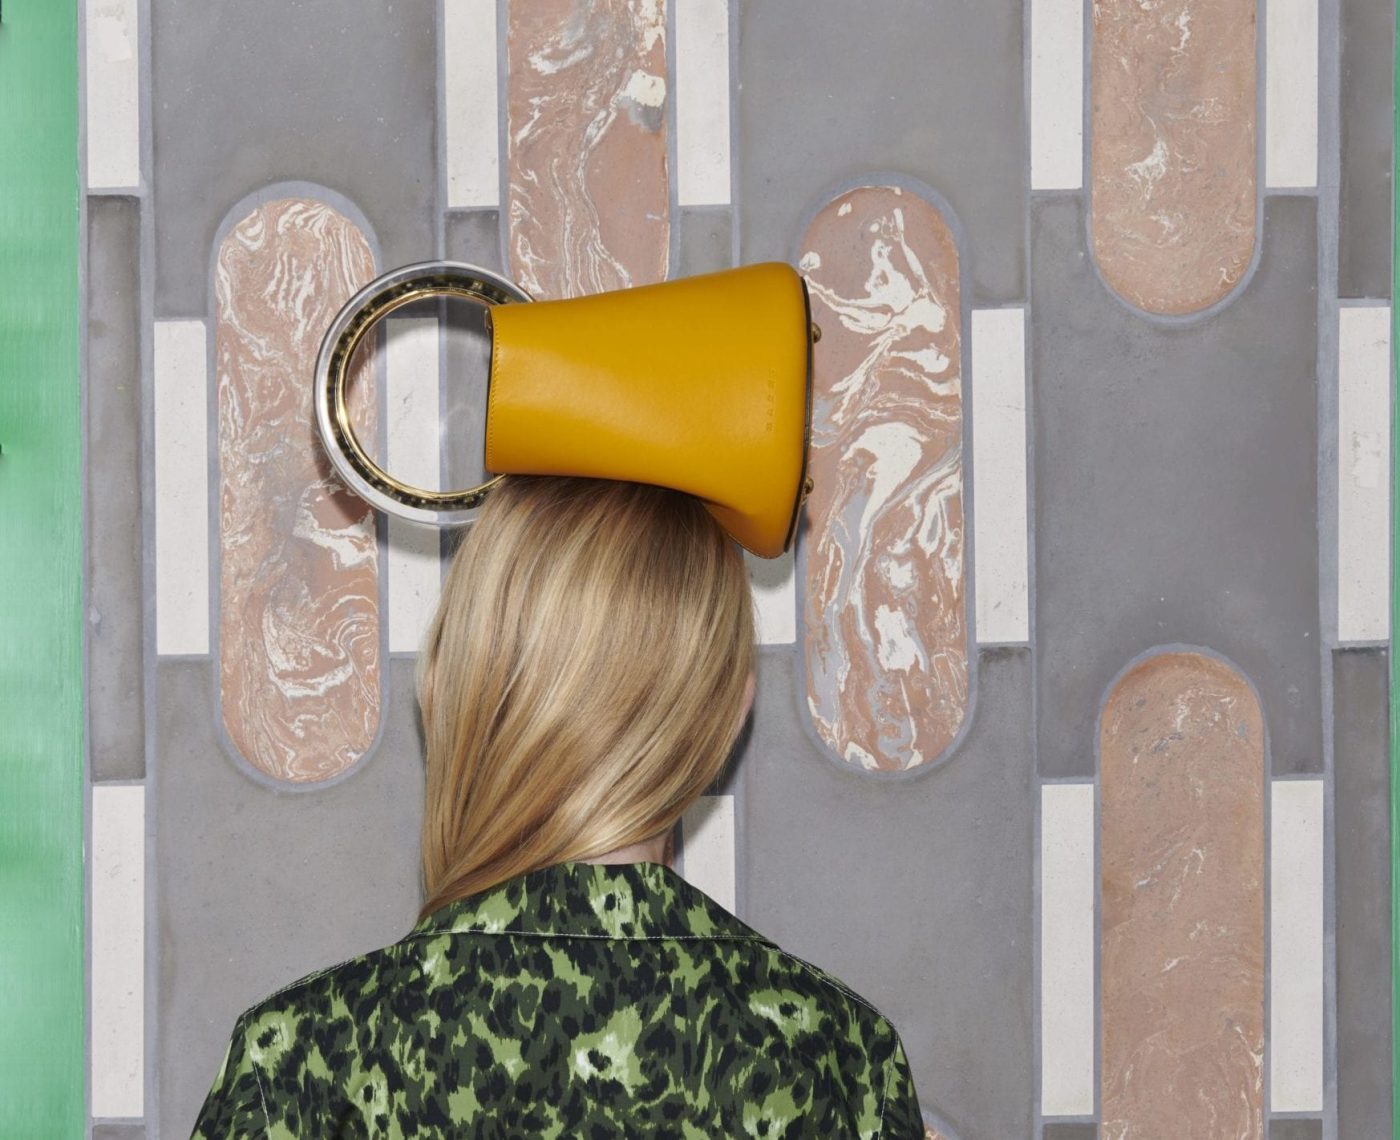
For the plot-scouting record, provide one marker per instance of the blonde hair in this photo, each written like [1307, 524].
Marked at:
[582, 679]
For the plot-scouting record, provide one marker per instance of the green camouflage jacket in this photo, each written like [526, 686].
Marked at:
[580, 1000]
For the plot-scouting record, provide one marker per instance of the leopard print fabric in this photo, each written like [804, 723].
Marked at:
[579, 1000]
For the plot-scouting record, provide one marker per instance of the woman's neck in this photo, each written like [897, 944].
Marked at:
[657, 849]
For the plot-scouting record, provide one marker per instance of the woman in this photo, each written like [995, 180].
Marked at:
[587, 673]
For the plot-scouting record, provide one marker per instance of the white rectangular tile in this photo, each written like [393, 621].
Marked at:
[181, 487]
[1290, 93]
[1363, 475]
[702, 102]
[414, 563]
[1296, 946]
[999, 479]
[1057, 94]
[112, 75]
[775, 598]
[1067, 1015]
[707, 843]
[118, 881]
[470, 104]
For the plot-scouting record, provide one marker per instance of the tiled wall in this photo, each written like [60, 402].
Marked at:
[1069, 747]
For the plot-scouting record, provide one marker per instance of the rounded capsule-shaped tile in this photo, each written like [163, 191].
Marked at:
[883, 571]
[1181, 850]
[1173, 150]
[298, 622]
[588, 197]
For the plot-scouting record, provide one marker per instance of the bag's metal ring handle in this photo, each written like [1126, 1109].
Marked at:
[369, 306]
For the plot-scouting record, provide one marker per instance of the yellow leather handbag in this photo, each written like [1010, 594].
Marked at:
[702, 384]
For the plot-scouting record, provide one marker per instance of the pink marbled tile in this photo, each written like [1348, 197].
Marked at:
[886, 639]
[588, 199]
[1173, 149]
[299, 645]
[1181, 787]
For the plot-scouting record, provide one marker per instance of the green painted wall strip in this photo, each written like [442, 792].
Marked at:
[1394, 603]
[42, 1058]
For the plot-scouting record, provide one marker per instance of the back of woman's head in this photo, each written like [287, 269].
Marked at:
[582, 680]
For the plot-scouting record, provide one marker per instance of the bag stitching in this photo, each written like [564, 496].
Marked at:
[491, 395]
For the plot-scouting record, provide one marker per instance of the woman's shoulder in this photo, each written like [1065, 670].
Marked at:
[842, 1024]
[338, 990]
[825, 990]
[282, 1043]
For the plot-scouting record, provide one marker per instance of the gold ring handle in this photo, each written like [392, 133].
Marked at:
[370, 305]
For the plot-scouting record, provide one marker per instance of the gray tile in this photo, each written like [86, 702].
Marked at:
[1071, 1132]
[260, 886]
[1362, 867]
[829, 93]
[474, 236]
[1367, 132]
[115, 621]
[466, 355]
[706, 240]
[914, 890]
[728, 782]
[1298, 1130]
[123, 1131]
[246, 95]
[1175, 485]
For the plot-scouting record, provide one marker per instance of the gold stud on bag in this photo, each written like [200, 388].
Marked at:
[701, 384]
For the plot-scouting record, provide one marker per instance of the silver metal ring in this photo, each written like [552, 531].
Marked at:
[370, 305]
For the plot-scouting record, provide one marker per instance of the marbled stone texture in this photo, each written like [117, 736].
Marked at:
[299, 642]
[1173, 149]
[588, 199]
[886, 635]
[1181, 786]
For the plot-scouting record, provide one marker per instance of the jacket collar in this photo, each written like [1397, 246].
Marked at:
[591, 900]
